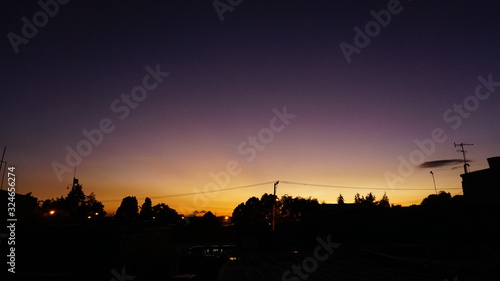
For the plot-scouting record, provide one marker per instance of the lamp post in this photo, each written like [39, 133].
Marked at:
[273, 226]
[434, 182]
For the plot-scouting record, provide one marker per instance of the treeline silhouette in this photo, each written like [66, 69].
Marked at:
[255, 211]
[75, 205]
[153, 238]
[439, 218]
[368, 219]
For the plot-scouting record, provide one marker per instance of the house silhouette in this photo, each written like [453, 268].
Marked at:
[483, 185]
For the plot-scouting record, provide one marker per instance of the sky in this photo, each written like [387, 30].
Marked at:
[180, 100]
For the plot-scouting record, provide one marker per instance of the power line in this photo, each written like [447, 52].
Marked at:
[195, 193]
[285, 182]
[355, 187]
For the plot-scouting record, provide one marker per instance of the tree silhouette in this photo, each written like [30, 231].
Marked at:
[384, 202]
[146, 209]
[340, 199]
[443, 198]
[128, 208]
[253, 212]
[267, 202]
[162, 212]
[260, 212]
[93, 207]
[250, 213]
[286, 206]
[75, 205]
[75, 201]
[368, 200]
[358, 199]
[298, 207]
[238, 216]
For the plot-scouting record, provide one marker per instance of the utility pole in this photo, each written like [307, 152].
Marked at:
[434, 183]
[273, 226]
[466, 165]
[1, 164]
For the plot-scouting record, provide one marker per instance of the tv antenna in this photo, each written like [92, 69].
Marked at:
[75, 180]
[466, 165]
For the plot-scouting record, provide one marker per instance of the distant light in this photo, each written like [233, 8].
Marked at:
[226, 218]
[233, 258]
[89, 217]
[52, 212]
[96, 214]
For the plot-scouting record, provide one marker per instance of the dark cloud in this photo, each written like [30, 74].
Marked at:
[441, 163]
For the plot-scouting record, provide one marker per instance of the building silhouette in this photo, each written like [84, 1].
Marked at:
[483, 185]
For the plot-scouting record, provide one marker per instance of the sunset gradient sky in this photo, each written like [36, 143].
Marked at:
[227, 79]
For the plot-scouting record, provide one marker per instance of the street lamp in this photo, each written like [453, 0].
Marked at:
[273, 227]
[434, 182]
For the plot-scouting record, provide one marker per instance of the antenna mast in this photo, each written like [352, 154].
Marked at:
[75, 180]
[466, 165]
[1, 164]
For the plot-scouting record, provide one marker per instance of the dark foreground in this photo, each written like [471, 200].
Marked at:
[401, 244]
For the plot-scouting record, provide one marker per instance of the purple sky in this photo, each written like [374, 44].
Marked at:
[353, 120]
